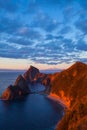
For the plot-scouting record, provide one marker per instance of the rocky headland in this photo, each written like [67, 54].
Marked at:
[69, 86]
[19, 89]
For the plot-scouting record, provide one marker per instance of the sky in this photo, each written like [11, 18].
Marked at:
[48, 34]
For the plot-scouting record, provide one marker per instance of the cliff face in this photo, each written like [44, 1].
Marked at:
[76, 117]
[17, 90]
[72, 82]
[22, 84]
[71, 86]
[30, 74]
[34, 76]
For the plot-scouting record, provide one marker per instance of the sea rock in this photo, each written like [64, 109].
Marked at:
[46, 81]
[17, 90]
[40, 77]
[22, 84]
[30, 74]
[33, 75]
[12, 92]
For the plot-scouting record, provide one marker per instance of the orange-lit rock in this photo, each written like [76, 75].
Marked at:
[19, 89]
[71, 87]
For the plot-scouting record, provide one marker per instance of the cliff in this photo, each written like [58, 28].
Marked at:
[34, 76]
[71, 86]
[30, 74]
[17, 90]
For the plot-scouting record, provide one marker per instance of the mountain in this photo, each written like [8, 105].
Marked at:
[71, 86]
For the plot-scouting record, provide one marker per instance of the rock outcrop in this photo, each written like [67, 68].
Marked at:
[71, 86]
[34, 76]
[71, 82]
[22, 84]
[30, 74]
[17, 90]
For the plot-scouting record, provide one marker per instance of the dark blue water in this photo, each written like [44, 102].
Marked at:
[33, 112]
[7, 78]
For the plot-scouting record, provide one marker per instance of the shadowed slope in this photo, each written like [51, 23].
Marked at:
[17, 90]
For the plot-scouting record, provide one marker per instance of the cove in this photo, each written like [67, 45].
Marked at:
[33, 112]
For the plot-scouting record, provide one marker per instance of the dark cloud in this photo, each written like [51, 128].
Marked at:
[14, 27]
[81, 45]
[83, 3]
[9, 25]
[81, 24]
[9, 5]
[50, 53]
[29, 33]
[31, 7]
[28, 30]
[20, 41]
[9, 51]
[65, 30]
[51, 37]
[68, 44]
[44, 22]
[54, 2]
[68, 13]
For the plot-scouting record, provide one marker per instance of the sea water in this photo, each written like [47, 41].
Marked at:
[33, 112]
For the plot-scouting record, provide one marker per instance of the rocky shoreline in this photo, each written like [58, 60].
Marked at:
[68, 86]
[59, 100]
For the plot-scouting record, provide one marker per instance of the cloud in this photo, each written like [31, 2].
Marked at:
[9, 5]
[65, 30]
[51, 37]
[44, 22]
[81, 45]
[81, 24]
[9, 25]
[20, 40]
[8, 51]
[32, 29]
[29, 33]
[52, 52]
[83, 3]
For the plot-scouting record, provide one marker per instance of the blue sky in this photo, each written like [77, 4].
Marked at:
[45, 33]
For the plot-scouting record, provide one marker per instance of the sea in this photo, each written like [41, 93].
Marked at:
[32, 112]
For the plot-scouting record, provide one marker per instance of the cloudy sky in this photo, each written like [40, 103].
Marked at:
[44, 33]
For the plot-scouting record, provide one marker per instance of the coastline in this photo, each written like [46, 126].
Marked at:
[60, 101]
[55, 97]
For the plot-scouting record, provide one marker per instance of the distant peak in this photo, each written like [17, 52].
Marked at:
[32, 68]
[77, 65]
